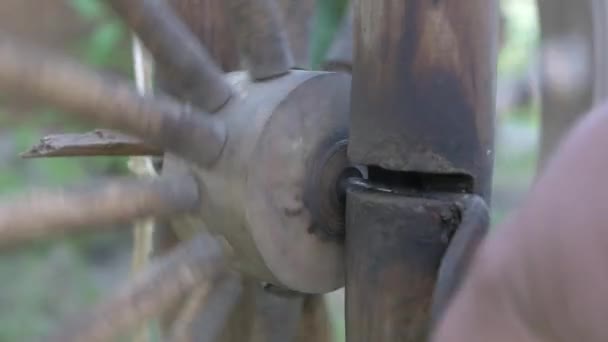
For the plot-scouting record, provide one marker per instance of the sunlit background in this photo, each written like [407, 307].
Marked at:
[42, 284]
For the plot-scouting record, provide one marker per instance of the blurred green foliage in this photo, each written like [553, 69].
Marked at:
[105, 45]
[327, 20]
[522, 34]
[52, 279]
[517, 132]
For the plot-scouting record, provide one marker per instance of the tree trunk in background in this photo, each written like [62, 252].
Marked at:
[572, 65]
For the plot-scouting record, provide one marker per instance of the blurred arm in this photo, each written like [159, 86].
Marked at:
[541, 276]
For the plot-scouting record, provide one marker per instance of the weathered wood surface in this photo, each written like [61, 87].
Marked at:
[99, 142]
[423, 88]
[394, 246]
[422, 118]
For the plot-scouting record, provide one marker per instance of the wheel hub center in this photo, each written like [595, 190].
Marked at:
[273, 193]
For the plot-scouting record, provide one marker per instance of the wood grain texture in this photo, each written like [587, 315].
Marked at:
[423, 87]
[394, 246]
[422, 119]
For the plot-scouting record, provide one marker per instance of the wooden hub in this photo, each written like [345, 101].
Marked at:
[272, 194]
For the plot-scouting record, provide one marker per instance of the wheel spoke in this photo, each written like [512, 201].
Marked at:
[45, 213]
[208, 323]
[264, 315]
[197, 262]
[315, 324]
[182, 328]
[160, 121]
[340, 55]
[260, 37]
[298, 16]
[183, 61]
[99, 142]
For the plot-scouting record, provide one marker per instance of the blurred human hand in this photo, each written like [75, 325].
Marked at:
[543, 274]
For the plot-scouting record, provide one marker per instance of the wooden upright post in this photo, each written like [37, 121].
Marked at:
[422, 120]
